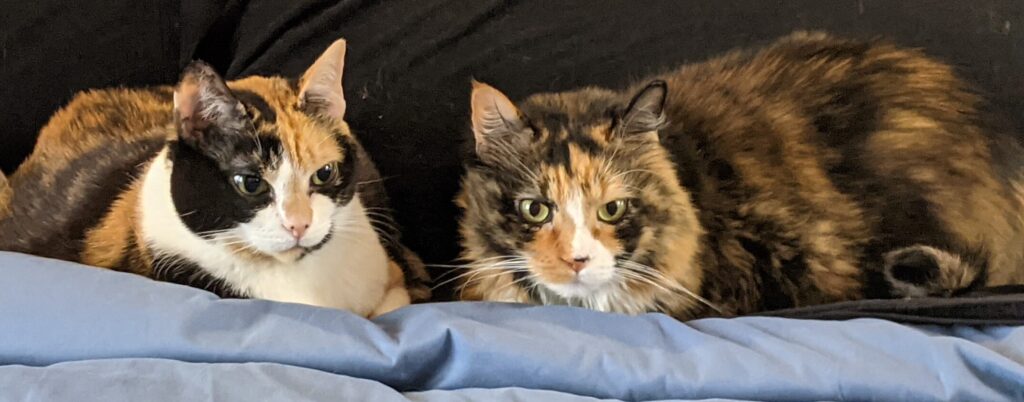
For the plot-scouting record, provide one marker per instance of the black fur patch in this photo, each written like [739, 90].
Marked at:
[203, 194]
[914, 266]
[252, 100]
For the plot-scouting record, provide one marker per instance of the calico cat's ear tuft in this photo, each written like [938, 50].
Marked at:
[495, 118]
[201, 100]
[320, 88]
[646, 112]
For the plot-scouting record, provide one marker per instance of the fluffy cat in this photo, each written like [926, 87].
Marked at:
[813, 170]
[253, 188]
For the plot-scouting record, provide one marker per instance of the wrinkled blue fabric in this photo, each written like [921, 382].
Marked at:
[110, 335]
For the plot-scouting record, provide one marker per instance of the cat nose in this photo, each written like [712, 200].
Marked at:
[576, 263]
[298, 231]
[297, 227]
[296, 215]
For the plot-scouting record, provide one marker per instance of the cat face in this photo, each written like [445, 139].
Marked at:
[571, 199]
[262, 165]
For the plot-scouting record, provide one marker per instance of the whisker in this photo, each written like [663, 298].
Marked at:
[504, 268]
[658, 278]
[476, 264]
[474, 279]
[469, 278]
[377, 180]
[525, 278]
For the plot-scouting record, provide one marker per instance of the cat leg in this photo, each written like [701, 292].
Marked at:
[394, 298]
[922, 271]
[396, 294]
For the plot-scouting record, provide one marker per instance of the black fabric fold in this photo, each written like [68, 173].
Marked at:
[993, 306]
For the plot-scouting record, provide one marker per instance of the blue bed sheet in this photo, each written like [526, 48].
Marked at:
[69, 332]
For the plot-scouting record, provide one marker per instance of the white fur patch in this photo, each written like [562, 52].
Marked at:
[599, 270]
[348, 272]
[267, 232]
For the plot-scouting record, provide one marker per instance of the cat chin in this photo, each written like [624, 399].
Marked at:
[289, 256]
[578, 289]
[571, 290]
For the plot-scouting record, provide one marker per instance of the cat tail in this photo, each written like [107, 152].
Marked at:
[5, 194]
[925, 271]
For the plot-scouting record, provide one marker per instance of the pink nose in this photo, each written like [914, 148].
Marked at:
[298, 231]
[297, 227]
[296, 214]
[576, 263]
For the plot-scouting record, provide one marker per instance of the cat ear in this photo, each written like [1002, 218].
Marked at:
[494, 116]
[321, 91]
[201, 100]
[646, 112]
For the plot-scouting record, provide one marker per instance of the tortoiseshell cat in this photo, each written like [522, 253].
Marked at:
[253, 188]
[816, 169]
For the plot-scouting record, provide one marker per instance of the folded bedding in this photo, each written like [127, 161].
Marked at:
[70, 332]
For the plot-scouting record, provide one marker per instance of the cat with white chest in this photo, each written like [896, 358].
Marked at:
[249, 188]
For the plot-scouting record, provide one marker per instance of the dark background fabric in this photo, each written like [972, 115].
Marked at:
[409, 64]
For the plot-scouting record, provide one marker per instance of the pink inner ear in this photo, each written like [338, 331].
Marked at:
[491, 110]
[186, 105]
[326, 96]
[185, 98]
[321, 83]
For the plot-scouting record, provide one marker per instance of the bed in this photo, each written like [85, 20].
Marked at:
[71, 332]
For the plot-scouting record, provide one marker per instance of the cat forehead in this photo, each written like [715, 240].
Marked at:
[571, 170]
[589, 180]
[565, 123]
[308, 142]
[572, 111]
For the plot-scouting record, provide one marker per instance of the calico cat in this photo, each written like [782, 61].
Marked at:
[253, 188]
[816, 169]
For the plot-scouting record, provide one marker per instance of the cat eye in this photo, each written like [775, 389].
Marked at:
[612, 212]
[326, 174]
[534, 211]
[249, 184]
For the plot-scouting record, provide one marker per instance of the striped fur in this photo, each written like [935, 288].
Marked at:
[813, 170]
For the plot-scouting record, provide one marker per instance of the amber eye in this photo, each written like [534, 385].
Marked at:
[249, 184]
[612, 212]
[326, 174]
[534, 211]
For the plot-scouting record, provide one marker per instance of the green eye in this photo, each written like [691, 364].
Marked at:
[534, 211]
[326, 174]
[612, 212]
[249, 184]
